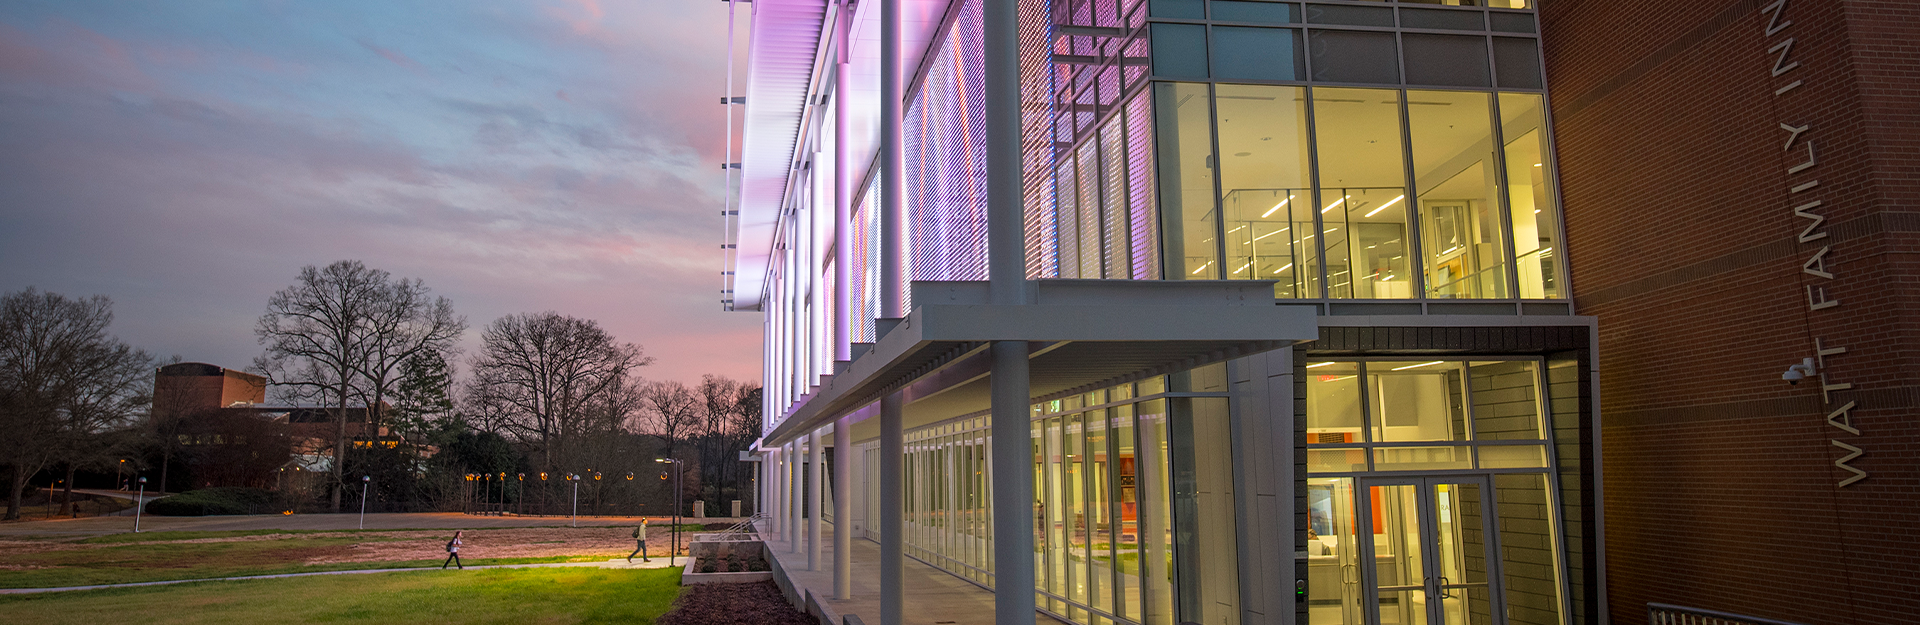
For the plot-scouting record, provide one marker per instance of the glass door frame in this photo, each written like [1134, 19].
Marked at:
[1429, 542]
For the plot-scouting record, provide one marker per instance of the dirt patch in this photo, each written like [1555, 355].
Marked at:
[758, 603]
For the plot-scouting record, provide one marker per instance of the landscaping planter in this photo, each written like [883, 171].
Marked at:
[726, 562]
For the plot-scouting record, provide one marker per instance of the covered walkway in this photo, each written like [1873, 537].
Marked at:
[934, 597]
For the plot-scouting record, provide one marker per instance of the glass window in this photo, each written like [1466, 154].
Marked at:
[1266, 12]
[1074, 494]
[1178, 9]
[1055, 511]
[1353, 56]
[1155, 527]
[1512, 22]
[1518, 61]
[1257, 53]
[1202, 458]
[1445, 60]
[1422, 458]
[1332, 551]
[1185, 140]
[1099, 515]
[1180, 50]
[1461, 238]
[1362, 192]
[1333, 403]
[1350, 15]
[1126, 542]
[1530, 199]
[1441, 20]
[1416, 401]
[1265, 187]
[1506, 404]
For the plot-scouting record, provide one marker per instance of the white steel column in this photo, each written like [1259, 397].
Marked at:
[843, 508]
[795, 496]
[842, 197]
[1012, 468]
[893, 212]
[893, 553]
[814, 498]
[893, 271]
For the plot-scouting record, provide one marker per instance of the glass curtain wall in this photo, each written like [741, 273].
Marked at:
[1430, 470]
[1133, 510]
[1278, 161]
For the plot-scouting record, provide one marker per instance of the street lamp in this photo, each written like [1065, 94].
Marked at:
[575, 478]
[364, 481]
[139, 502]
[520, 490]
[676, 506]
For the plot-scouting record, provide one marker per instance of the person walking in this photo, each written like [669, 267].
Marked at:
[640, 536]
[453, 552]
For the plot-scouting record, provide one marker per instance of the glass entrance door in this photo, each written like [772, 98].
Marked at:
[1427, 554]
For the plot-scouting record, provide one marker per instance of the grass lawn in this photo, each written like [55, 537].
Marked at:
[159, 556]
[553, 595]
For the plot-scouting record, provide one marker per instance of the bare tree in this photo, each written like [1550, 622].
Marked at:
[344, 331]
[549, 379]
[671, 411]
[63, 380]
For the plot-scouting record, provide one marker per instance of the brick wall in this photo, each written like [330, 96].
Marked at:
[1720, 487]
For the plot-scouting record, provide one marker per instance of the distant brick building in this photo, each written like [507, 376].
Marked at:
[227, 435]
[1739, 180]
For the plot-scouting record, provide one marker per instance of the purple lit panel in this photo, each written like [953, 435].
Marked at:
[946, 159]
[1140, 162]
[1036, 137]
[1106, 12]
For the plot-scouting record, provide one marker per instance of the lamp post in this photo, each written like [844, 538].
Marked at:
[364, 481]
[520, 491]
[675, 551]
[575, 478]
[138, 503]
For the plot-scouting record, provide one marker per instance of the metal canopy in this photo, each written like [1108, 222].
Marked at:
[1083, 334]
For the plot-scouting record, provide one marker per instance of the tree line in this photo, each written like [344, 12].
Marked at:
[545, 396]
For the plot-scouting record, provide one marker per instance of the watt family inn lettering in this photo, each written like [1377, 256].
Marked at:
[1806, 204]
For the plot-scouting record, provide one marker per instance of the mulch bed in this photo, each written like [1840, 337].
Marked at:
[758, 603]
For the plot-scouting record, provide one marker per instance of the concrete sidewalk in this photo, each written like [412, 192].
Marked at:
[657, 563]
[933, 596]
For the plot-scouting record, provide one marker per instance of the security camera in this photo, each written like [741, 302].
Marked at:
[1797, 372]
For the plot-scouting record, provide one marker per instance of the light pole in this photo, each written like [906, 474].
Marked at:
[364, 481]
[138, 503]
[520, 492]
[676, 507]
[575, 478]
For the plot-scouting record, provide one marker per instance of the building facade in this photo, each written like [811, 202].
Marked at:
[1230, 311]
[1739, 188]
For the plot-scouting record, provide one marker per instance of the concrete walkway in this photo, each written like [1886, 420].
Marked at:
[657, 563]
[933, 596]
[94, 526]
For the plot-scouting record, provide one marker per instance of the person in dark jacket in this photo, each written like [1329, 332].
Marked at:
[453, 552]
[640, 536]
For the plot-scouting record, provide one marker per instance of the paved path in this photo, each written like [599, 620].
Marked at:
[932, 595]
[659, 563]
[95, 526]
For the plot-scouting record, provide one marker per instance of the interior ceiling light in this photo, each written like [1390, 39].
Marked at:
[1424, 364]
[1329, 207]
[1384, 206]
[1284, 203]
[1320, 364]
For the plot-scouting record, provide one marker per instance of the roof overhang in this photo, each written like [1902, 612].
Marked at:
[787, 63]
[1081, 334]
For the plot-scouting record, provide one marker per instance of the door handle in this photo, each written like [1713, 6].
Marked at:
[1347, 575]
[1444, 592]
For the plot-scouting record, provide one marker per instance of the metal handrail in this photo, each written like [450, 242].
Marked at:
[1669, 614]
[743, 530]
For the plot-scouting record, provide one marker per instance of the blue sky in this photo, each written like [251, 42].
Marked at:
[187, 158]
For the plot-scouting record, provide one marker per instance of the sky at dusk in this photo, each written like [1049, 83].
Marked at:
[186, 159]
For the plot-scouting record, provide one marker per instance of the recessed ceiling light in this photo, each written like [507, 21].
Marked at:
[1243, 154]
